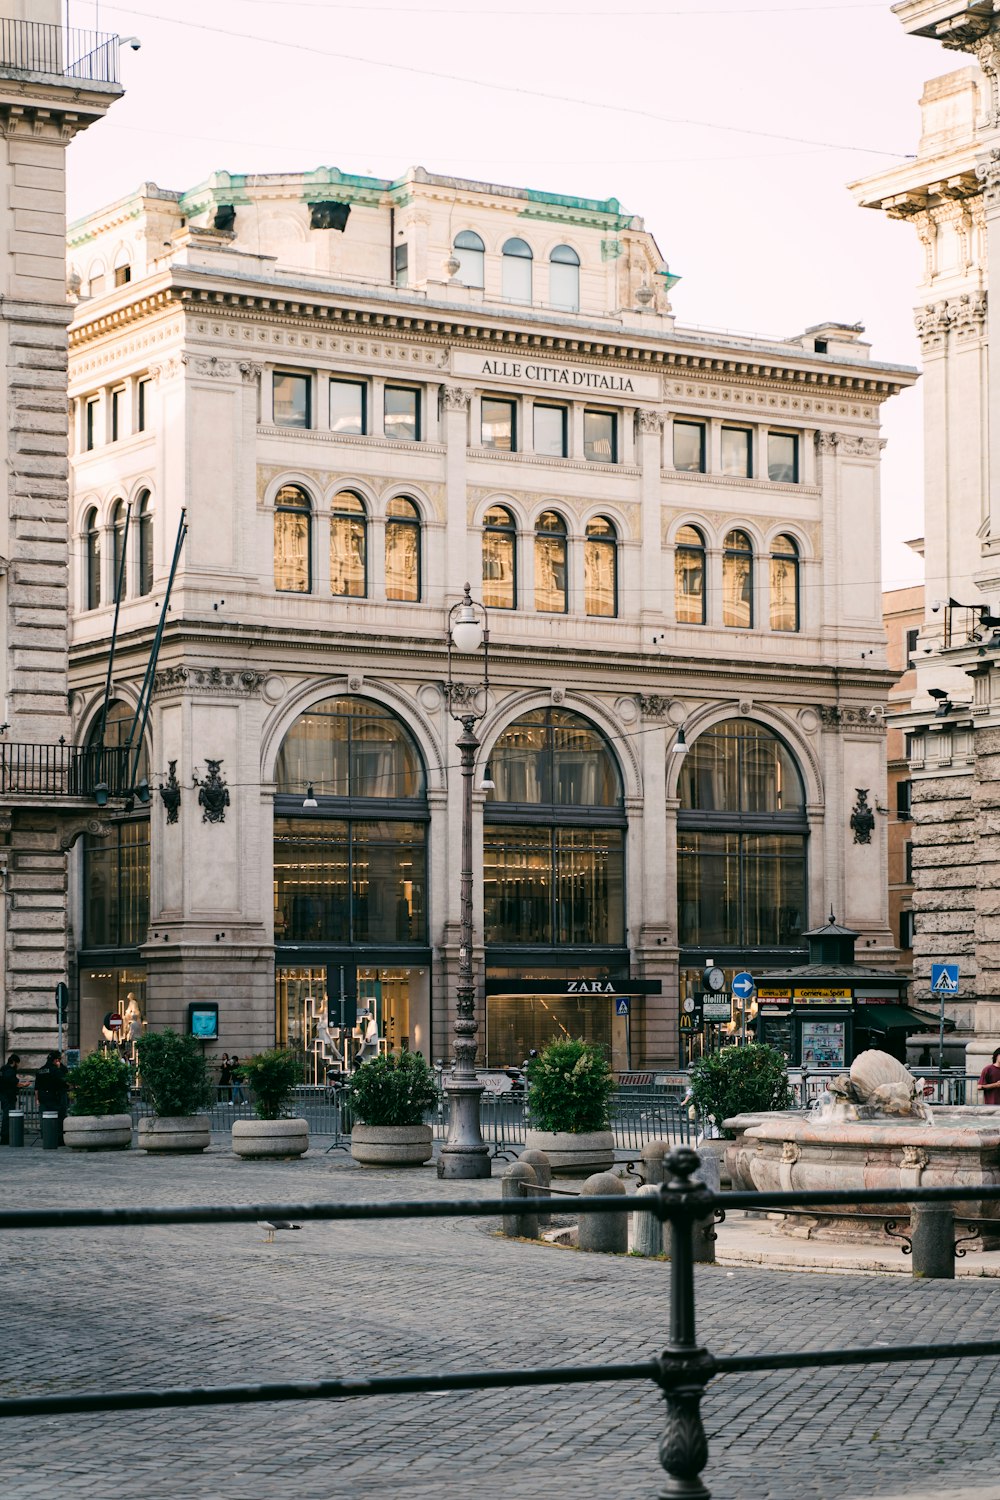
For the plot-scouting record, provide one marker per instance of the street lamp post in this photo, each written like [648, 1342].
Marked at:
[464, 1153]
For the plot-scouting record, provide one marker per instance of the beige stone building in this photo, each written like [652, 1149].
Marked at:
[360, 394]
[903, 615]
[950, 194]
[54, 82]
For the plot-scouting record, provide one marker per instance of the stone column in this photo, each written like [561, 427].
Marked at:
[649, 438]
[456, 438]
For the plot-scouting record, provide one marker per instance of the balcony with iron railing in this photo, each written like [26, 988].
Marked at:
[30, 48]
[45, 772]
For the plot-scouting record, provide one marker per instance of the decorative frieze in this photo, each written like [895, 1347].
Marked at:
[456, 397]
[964, 315]
[235, 682]
[857, 720]
[647, 420]
[653, 705]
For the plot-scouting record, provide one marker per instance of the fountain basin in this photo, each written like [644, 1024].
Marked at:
[794, 1152]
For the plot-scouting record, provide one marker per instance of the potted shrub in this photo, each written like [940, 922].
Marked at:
[569, 1104]
[389, 1097]
[100, 1117]
[271, 1077]
[175, 1080]
[749, 1080]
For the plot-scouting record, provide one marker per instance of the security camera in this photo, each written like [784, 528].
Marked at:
[935, 606]
[131, 41]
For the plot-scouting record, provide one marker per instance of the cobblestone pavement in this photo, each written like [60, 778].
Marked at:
[193, 1305]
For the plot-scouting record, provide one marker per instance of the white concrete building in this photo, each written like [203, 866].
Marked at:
[361, 394]
[950, 193]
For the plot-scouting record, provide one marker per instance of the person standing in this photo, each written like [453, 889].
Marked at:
[8, 1094]
[226, 1080]
[52, 1088]
[989, 1081]
[239, 1091]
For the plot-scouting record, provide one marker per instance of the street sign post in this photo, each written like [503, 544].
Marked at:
[743, 988]
[944, 982]
[621, 1005]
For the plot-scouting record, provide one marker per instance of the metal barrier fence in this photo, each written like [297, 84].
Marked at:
[682, 1371]
[942, 1086]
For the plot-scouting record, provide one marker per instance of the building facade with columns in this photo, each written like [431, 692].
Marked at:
[360, 394]
[950, 194]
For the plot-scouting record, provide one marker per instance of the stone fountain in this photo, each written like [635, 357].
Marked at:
[870, 1130]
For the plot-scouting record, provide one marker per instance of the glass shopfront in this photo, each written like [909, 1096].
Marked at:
[337, 1015]
[579, 1002]
[112, 1007]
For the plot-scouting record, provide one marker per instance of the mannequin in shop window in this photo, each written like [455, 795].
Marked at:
[133, 1022]
[367, 1033]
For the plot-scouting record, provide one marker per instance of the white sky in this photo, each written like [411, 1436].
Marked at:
[762, 230]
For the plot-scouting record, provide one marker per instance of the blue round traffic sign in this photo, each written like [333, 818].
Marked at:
[743, 986]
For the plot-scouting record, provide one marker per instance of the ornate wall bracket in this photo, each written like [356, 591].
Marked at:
[862, 817]
[213, 793]
[170, 793]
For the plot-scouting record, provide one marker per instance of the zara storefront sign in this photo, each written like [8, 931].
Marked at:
[568, 380]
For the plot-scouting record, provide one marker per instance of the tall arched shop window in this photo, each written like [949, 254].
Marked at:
[515, 283]
[292, 540]
[784, 584]
[402, 550]
[550, 563]
[116, 865]
[499, 559]
[600, 568]
[741, 840]
[470, 252]
[689, 577]
[564, 278]
[737, 581]
[145, 543]
[118, 532]
[92, 560]
[348, 547]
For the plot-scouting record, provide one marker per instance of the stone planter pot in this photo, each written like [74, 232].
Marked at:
[98, 1132]
[574, 1154]
[175, 1133]
[282, 1139]
[391, 1145]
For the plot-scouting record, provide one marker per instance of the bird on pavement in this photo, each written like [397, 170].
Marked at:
[271, 1225]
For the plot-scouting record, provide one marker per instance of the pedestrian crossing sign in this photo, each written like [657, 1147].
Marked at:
[944, 979]
[621, 1005]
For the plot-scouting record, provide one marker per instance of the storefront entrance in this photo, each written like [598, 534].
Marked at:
[525, 1011]
[112, 1007]
[338, 1015]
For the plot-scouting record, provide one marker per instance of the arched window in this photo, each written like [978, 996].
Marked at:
[470, 252]
[123, 268]
[292, 540]
[92, 561]
[737, 581]
[120, 580]
[515, 283]
[550, 563]
[689, 577]
[145, 543]
[348, 747]
[115, 863]
[600, 568]
[564, 278]
[348, 547]
[499, 559]
[402, 550]
[96, 279]
[784, 584]
[741, 838]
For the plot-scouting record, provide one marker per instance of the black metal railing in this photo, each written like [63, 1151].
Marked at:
[58, 51]
[681, 1371]
[62, 770]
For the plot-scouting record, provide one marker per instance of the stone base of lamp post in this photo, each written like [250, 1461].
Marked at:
[464, 1153]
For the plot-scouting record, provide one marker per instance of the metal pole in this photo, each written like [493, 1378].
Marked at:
[119, 581]
[941, 1038]
[464, 1153]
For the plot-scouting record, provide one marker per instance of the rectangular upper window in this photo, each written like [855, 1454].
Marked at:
[550, 431]
[90, 424]
[348, 407]
[499, 427]
[737, 452]
[292, 404]
[600, 437]
[782, 458]
[117, 414]
[903, 799]
[689, 447]
[142, 406]
[402, 413]
[912, 641]
[401, 265]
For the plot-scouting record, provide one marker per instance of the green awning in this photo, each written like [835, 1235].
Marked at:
[897, 1018]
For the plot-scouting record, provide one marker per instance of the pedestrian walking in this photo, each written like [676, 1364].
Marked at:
[8, 1094]
[52, 1088]
[226, 1079]
[989, 1081]
[239, 1090]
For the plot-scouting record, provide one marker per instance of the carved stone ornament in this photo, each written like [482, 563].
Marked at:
[250, 372]
[170, 793]
[964, 315]
[461, 694]
[653, 705]
[649, 421]
[862, 818]
[827, 442]
[456, 397]
[857, 720]
[213, 794]
[987, 51]
[859, 447]
[214, 367]
[78, 827]
[225, 681]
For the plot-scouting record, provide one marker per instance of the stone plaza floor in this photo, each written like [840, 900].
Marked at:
[126, 1308]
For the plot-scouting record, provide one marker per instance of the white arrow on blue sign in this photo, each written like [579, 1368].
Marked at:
[944, 979]
[743, 986]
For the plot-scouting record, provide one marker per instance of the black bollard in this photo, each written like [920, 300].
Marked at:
[50, 1130]
[932, 1235]
[16, 1125]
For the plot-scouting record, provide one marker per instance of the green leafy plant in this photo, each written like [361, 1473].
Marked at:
[272, 1075]
[740, 1081]
[397, 1089]
[100, 1085]
[569, 1087]
[173, 1074]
